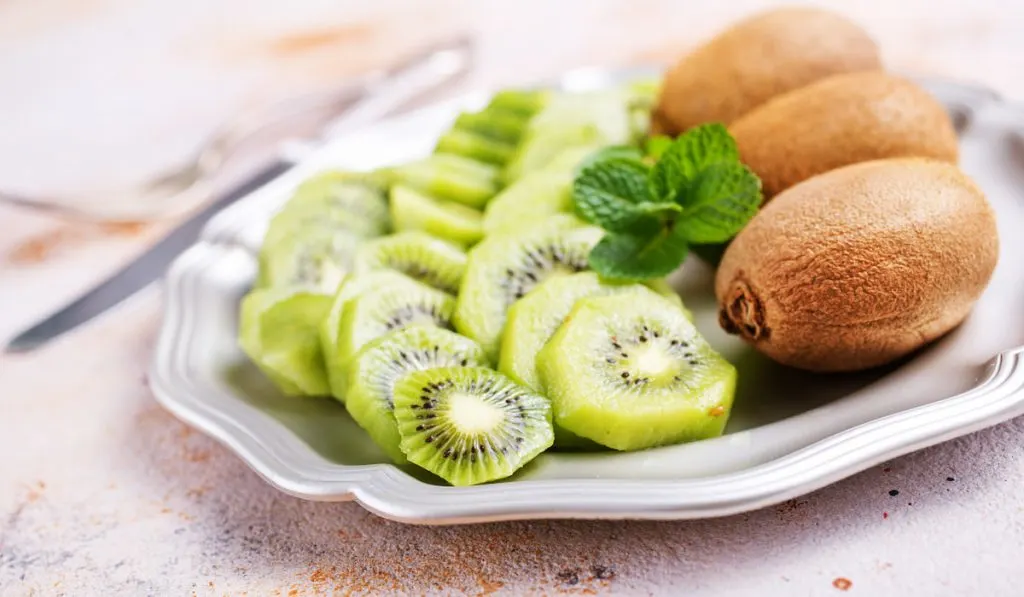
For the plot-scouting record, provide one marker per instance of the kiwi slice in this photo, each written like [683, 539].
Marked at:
[346, 201]
[629, 371]
[475, 146]
[451, 177]
[532, 197]
[318, 257]
[351, 287]
[378, 365]
[383, 309]
[493, 124]
[277, 328]
[518, 102]
[412, 210]
[504, 267]
[470, 425]
[418, 255]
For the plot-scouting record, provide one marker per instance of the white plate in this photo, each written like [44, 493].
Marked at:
[790, 433]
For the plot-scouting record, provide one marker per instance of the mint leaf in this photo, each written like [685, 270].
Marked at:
[612, 152]
[694, 151]
[718, 203]
[639, 254]
[608, 192]
[658, 145]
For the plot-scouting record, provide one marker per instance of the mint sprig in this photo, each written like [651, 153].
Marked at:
[696, 192]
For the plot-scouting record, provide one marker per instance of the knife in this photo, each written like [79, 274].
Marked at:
[381, 96]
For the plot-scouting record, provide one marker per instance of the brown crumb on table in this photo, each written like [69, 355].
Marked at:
[842, 584]
[717, 411]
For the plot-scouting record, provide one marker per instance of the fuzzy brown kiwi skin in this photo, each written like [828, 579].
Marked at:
[758, 58]
[860, 266]
[838, 121]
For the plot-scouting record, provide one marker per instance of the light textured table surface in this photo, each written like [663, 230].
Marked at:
[104, 493]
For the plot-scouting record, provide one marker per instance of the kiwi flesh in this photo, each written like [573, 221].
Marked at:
[504, 267]
[534, 196]
[470, 425]
[416, 254]
[318, 258]
[278, 331]
[518, 102]
[452, 178]
[378, 365]
[629, 371]
[412, 210]
[351, 287]
[384, 309]
[344, 200]
[475, 146]
[494, 124]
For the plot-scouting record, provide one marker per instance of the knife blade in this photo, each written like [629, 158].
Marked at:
[397, 87]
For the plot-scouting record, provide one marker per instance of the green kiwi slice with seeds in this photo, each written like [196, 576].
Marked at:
[377, 367]
[412, 210]
[470, 425]
[346, 201]
[277, 329]
[504, 267]
[318, 257]
[384, 309]
[630, 372]
[418, 255]
[351, 287]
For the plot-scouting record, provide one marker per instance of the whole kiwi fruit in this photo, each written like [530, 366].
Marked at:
[859, 266]
[841, 120]
[756, 59]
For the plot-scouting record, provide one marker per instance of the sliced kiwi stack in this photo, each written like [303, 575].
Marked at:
[377, 367]
[504, 267]
[470, 425]
[416, 254]
[380, 310]
[630, 372]
[278, 331]
[318, 258]
[412, 210]
[330, 327]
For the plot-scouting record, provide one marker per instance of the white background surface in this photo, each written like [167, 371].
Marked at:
[101, 492]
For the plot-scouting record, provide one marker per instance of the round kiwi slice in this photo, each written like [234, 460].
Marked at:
[451, 177]
[317, 258]
[412, 210]
[351, 287]
[504, 267]
[384, 309]
[416, 254]
[342, 200]
[378, 365]
[470, 425]
[475, 146]
[629, 371]
[277, 328]
[532, 197]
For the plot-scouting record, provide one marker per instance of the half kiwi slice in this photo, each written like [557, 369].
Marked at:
[418, 255]
[412, 210]
[378, 365]
[384, 309]
[504, 267]
[630, 371]
[330, 327]
[318, 258]
[277, 328]
[451, 177]
[470, 425]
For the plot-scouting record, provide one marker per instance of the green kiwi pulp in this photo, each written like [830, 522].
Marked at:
[470, 425]
[493, 124]
[521, 103]
[475, 146]
[629, 371]
[412, 210]
[452, 178]
[343, 200]
[278, 330]
[532, 197]
[378, 365]
[317, 258]
[384, 309]
[504, 267]
[330, 327]
[416, 254]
